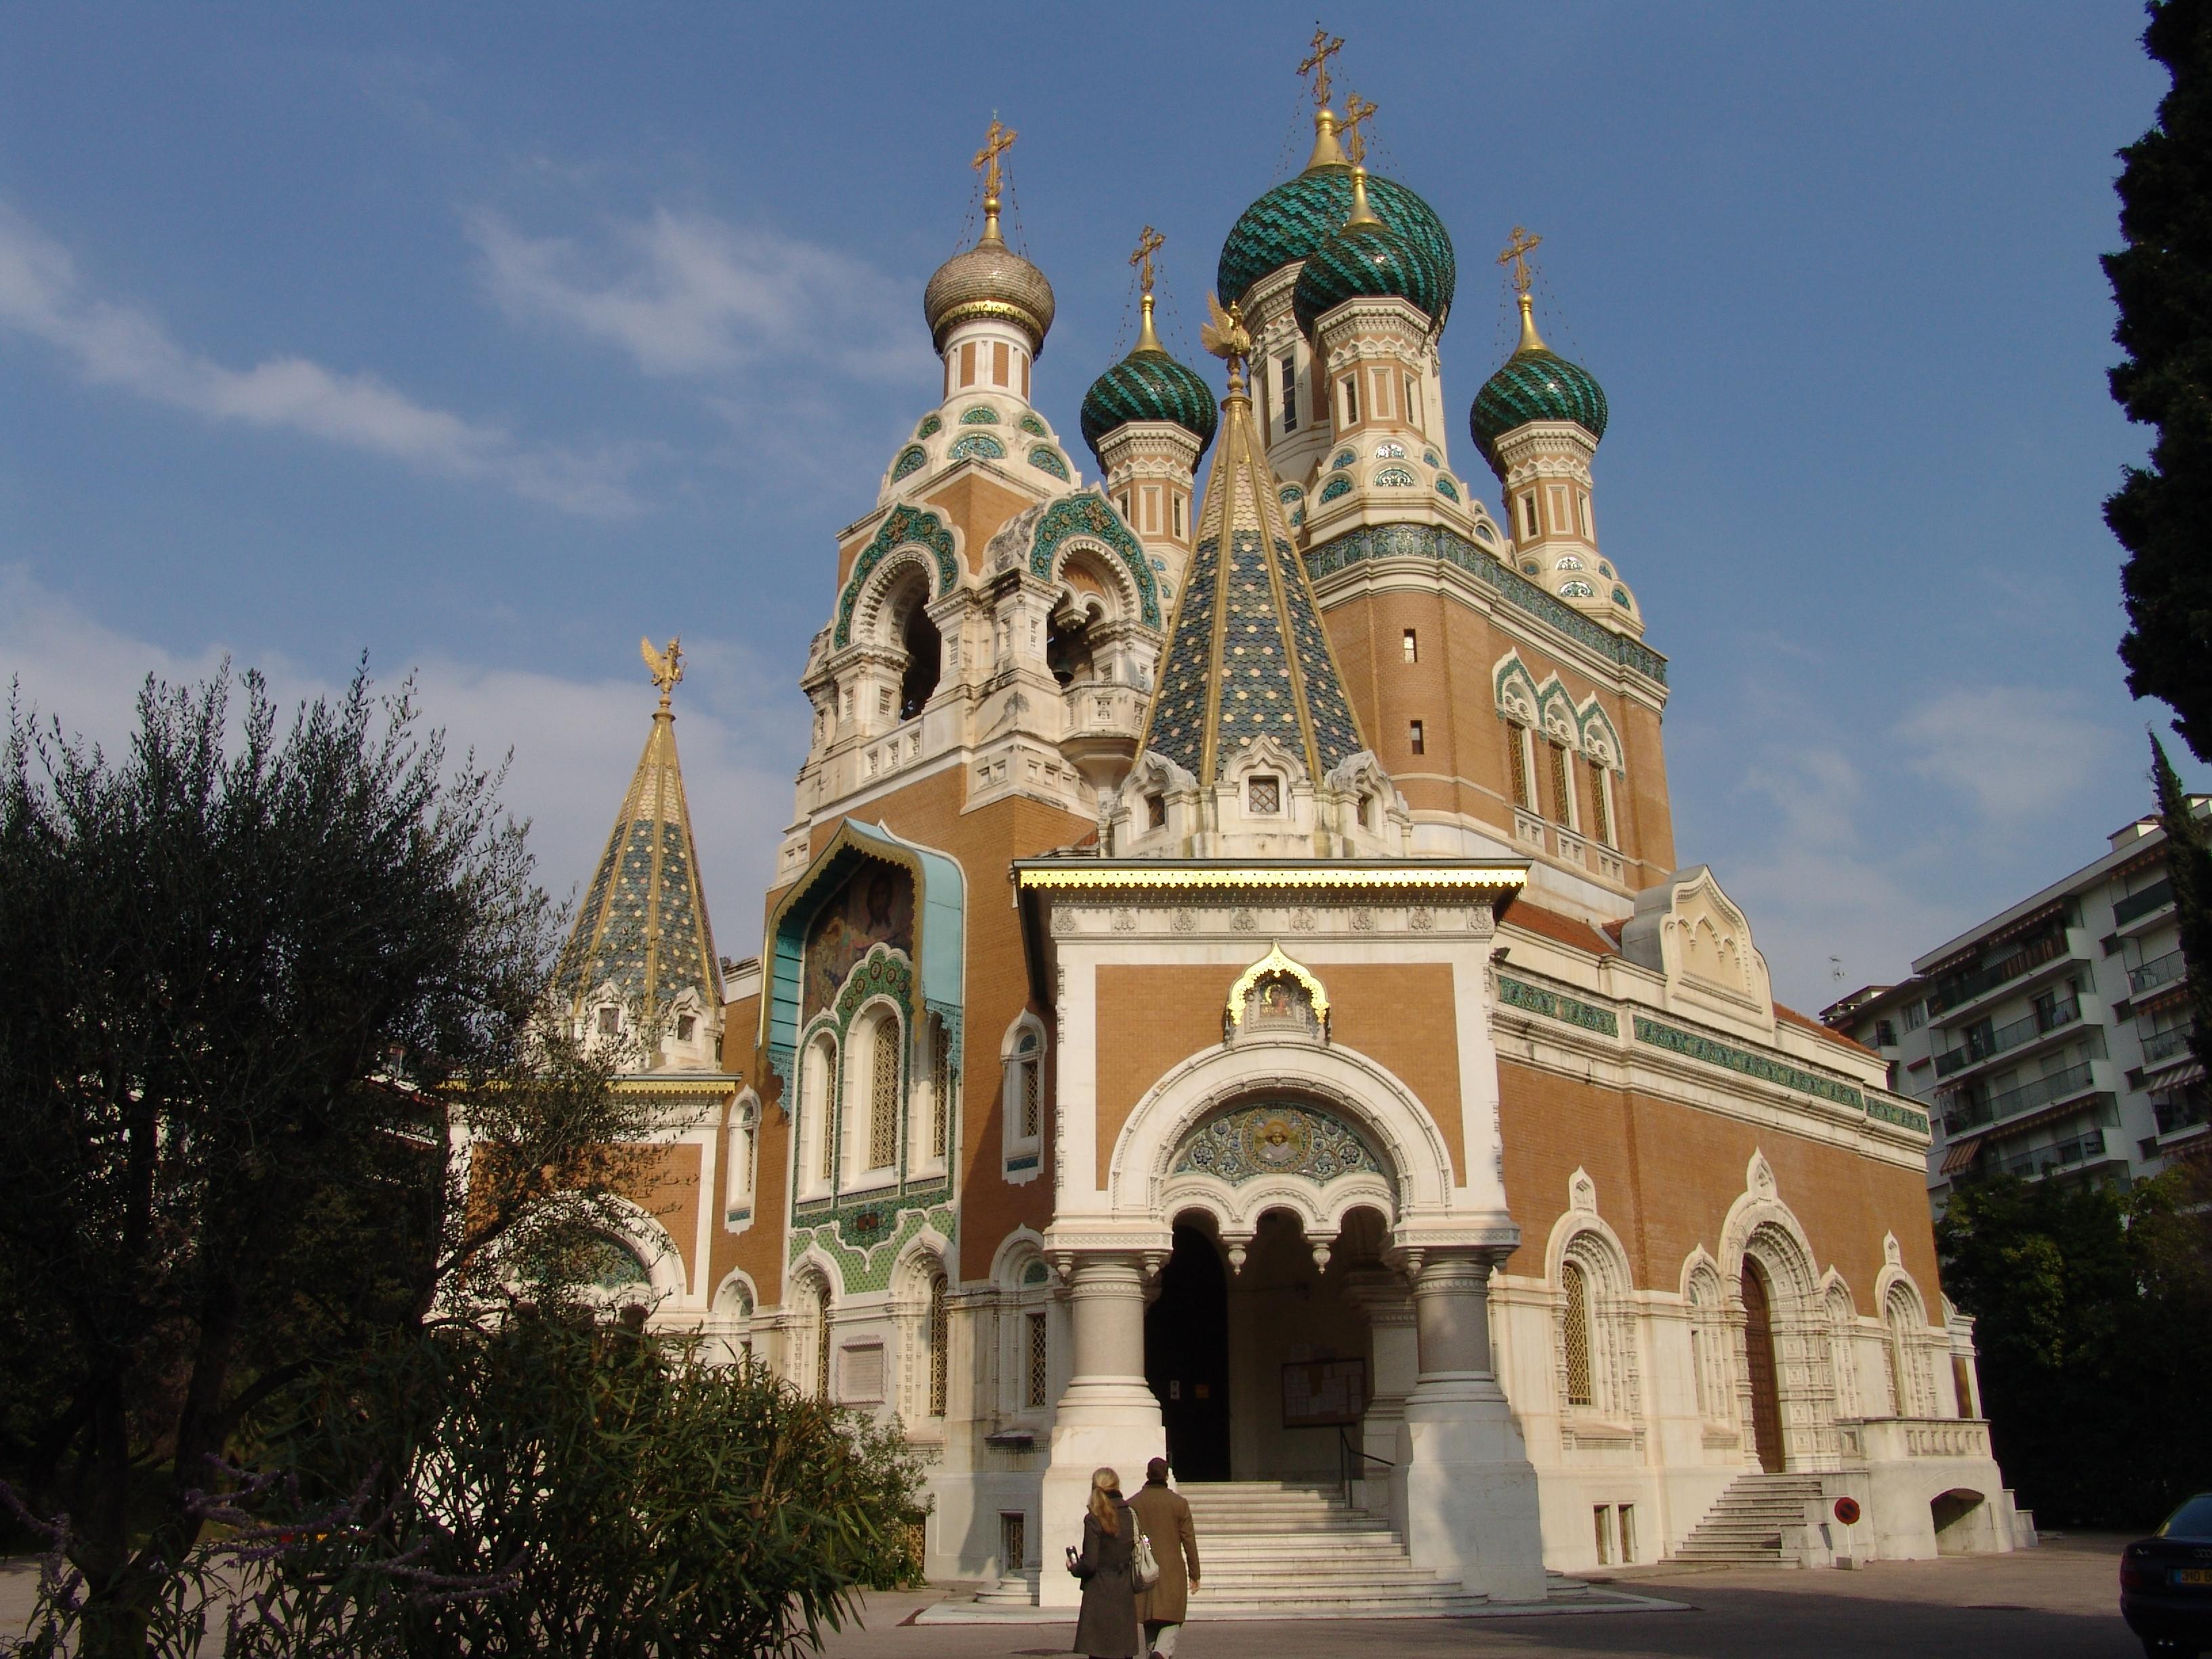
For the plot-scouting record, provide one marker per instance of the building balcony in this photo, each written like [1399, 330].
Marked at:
[2134, 908]
[2085, 1151]
[1885, 1439]
[2052, 1090]
[2006, 1038]
[1953, 995]
[2161, 1047]
[2186, 1110]
[2160, 971]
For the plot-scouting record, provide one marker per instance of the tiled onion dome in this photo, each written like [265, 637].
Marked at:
[989, 280]
[1148, 384]
[1294, 218]
[1364, 260]
[1535, 384]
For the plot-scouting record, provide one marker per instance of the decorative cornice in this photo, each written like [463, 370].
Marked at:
[1410, 874]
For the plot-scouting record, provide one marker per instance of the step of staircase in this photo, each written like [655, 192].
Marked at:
[1744, 1526]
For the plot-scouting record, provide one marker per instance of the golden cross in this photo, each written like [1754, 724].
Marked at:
[1316, 62]
[1147, 245]
[1517, 255]
[1356, 112]
[996, 142]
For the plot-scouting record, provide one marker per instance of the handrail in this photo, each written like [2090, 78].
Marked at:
[1345, 1451]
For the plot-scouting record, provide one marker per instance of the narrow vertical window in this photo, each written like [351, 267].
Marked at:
[1125, 508]
[1529, 529]
[1576, 1334]
[822, 1343]
[1414, 404]
[1562, 790]
[1600, 808]
[1177, 502]
[1287, 372]
[1628, 1535]
[1025, 377]
[1032, 1092]
[1350, 400]
[883, 1097]
[1416, 738]
[940, 1090]
[1412, 645]
[940, 1341]
[1013, 1540]
[1516, 747]
[1582, 508]
[999, 364]
[1602, 1515]
[1038, 1369]
[968, 363]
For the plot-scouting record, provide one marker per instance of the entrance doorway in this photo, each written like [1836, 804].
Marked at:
[1759, 1356]
[1186, 1356]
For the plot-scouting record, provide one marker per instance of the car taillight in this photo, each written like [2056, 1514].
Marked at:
[2136, 1573]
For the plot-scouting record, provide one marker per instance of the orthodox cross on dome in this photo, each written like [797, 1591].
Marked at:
[1316, 63]
[1149, 243]
[1517, 255]
[1357, 109]
[666, 666]
[996, 142]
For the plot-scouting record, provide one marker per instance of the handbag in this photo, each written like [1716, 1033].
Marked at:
[1144, 1566]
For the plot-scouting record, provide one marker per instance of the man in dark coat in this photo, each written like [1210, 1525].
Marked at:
[1165, 1519]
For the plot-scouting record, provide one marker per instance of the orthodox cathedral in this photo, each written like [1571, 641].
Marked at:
[1230, 991]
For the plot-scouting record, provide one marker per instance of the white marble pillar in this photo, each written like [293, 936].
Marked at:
[1471, 1499]
[1107, 1416]
[1393, 1367]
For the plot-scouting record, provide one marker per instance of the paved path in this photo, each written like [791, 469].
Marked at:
[2056, 1602]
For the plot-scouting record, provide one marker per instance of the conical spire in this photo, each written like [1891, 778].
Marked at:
[643, 926]
[1247, 657]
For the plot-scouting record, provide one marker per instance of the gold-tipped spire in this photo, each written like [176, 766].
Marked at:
[1223, 334]
[1326, 152]
[666, 667]
[1516, 254]
[996, 142]
[1149, 243]
[1357, 109]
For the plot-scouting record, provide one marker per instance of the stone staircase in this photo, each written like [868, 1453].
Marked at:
[1744, 1526]
[1283, 1550]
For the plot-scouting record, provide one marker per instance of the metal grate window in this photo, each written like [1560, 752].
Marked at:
[940, 1091]
[882, 1099]
[1040, 1359]
[1576, 1334]
[1601, 819]
[940, 1335]
[1032, 1086]
[1516, 744]
[822, 1344]
[1013, 1540]
[1561, 790]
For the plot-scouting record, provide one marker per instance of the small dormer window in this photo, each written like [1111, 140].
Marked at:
[1156, 811]
[685, 1025]
[1265, 795]
[610, 1020]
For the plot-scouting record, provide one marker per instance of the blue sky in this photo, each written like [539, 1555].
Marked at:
[486, 339]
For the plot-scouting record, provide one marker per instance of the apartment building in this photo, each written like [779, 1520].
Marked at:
[2052, 1040]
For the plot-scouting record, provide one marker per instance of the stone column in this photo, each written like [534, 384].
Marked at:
[1393, 1366]
[1471, 1499]
[1107, 1416]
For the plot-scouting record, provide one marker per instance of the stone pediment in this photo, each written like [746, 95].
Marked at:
[1691, 931]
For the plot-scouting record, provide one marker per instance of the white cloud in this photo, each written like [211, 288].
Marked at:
[2020, 752]
[687, 294]
[43, 295]
[575, 743]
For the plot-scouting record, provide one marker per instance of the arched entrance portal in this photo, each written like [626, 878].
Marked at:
[1187, 1356]
[1759, 1356]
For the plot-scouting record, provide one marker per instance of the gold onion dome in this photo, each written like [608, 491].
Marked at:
[989, 280]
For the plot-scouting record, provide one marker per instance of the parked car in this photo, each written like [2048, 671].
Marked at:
[2166, 1583]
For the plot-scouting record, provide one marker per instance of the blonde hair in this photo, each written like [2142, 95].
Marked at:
[1105, 1489]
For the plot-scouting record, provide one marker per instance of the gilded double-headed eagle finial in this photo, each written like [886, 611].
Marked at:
[666, 666]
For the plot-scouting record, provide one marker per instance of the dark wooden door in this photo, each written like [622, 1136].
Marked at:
[1187, 1357]
[1759, 1353]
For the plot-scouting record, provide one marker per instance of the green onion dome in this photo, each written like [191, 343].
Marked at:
[1366, 259]
[1293, 220]
[1148, 384]
[1535, 384]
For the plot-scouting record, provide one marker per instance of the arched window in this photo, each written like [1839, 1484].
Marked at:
[1575, 1332]
[1600, 802]
[1516, 763]
[940, 1346]
[925, 655]
[940, 1090]
[884, 1093]
[816, 1098]
[1022, 1056]
[738, 1186]
[1907, 1398]
[822, 1339]
[1563, 794]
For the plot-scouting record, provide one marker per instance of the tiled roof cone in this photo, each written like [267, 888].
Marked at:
[643, 925]
[1246, 656]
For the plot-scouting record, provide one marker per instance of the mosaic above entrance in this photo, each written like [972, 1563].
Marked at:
[1274, 1137]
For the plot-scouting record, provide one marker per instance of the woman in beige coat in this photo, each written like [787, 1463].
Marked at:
[1164, 1518]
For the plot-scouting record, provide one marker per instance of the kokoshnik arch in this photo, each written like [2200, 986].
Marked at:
[1229, 989]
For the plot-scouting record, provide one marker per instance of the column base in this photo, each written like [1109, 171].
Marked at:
[1470, 1492]
[1107, 1422]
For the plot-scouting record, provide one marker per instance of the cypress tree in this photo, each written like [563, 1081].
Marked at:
[2162, 283]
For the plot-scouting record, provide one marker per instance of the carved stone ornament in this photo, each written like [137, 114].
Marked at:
[1063, 923]
[1244, 921]
[1421, 921]
[1184, 922]
[1125, 921]
[1302, 921]
[1363, 921]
